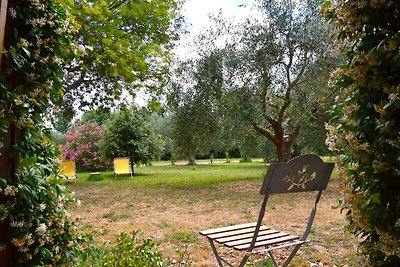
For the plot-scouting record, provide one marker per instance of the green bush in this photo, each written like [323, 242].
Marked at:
[132, 133]
[132, 251]
[366, 127]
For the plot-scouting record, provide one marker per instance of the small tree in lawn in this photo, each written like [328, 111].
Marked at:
[82, 147]
[134, 134]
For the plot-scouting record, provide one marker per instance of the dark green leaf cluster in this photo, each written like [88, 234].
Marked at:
[367, 124]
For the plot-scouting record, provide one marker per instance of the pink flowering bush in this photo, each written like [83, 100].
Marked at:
[82, 147]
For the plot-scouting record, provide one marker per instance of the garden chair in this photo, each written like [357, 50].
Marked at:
[301, 174]
[122, 166]
[67, 168]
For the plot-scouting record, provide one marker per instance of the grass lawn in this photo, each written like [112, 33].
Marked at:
[171, 203]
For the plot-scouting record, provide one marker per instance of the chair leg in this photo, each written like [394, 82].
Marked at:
[215, 252]
[291, 255]
[273, 258]
[244, 260]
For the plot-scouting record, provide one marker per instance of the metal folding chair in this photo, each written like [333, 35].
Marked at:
[302, 174]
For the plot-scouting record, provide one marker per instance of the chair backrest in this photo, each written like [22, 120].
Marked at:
[121, 165]
[67, 168]
[301, 174]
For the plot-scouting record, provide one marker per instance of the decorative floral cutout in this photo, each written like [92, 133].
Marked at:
[301, 179]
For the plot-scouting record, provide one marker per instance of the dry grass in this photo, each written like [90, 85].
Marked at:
[173, 216]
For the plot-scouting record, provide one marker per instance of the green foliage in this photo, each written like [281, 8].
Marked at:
[99, 116]
[58, 138]
[36, 206]
[34, 203]
[132, 251]
[366, 127]
[132, 133]
[125, 45]
[196, 116]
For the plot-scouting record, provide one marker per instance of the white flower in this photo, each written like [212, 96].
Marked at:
[81, 48]
[18, 242]
[44, 60]
[58, 31]
[42, 207]
[13, 13]
[33, 22]
[23, 249]
[57, 60]
[10, 190]
[17, 224]
[29, 239]
[41, 229]
[49, 83]
[78, 202]
[56, 249]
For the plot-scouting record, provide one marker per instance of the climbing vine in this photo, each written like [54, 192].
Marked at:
[34, 204]
[366, 126]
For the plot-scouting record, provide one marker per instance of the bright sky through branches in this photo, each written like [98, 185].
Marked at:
[196, 11]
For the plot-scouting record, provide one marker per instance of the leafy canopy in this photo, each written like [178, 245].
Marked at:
[125, 46]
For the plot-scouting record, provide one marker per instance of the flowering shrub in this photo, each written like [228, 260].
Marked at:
[36, 208]
[35, 227]
[37, 211]
[366, 127]
[82, 147]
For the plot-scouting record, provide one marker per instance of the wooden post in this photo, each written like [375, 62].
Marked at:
[3, 16]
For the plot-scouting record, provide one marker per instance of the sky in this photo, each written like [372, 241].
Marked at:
[196, 11]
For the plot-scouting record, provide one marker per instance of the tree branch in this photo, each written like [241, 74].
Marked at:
[293, 135]
[264, 132]
[286, 103]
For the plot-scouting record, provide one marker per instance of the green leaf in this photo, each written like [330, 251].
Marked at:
[26, 52]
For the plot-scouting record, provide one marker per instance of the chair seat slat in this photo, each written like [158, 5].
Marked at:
[228, 228]
[247, 235]
[268, 242]
[235, 232]
[259, 238]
